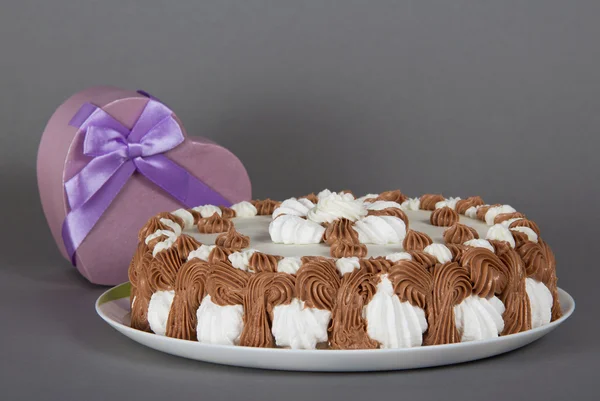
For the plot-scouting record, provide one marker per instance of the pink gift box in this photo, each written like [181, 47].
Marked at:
[103, 256]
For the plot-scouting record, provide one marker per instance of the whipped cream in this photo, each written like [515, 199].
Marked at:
[540, 299]
[244, 209]
[202, 252]
[531, 235]
[299, 327]
[368, 196]
[380, 230]
[500, 233]
[397, 256]
[449, 202]
[440, 251]
[207, 211]
[288, 229]
[381, 205]
[219, 324]
[158, 311]
[472, 212]
[494, 211]
[241, 260]
[187, 217]
[347, 265]
[392, 323]
[295, 207]
[411, 204]
[507, 223]
[164, 244]
[290, 265]
[479, 243]
[332, 206]
[478, 318]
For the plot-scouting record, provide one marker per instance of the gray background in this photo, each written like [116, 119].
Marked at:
[496, 98]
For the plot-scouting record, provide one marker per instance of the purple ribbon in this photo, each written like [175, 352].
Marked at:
[117, 153]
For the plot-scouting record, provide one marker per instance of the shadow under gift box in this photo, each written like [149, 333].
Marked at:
[104, 255]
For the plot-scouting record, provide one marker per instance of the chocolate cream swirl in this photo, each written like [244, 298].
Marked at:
[349, 328]
[507, 216]
[265, 207]
[451, 285]
[443, 217]
[225, 284]
[390, 211]
[459, 233]
[343, 239]
[214, 224]
[262, 262]
[428, 201]
[317, 283]
[163, 269]
[233, 239]
[390, 196]
[416, 241]
[487, 273]
[412, 282]
[375, 265]
[551, 279]
[464, 204]
[423, 258]
[140, 287]
[264, 291]
[185, 244]
[189, 292]
[525, 223]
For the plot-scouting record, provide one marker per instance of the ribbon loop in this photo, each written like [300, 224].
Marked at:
[117, 154]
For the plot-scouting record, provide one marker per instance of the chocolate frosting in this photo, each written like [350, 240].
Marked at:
[233, 239]
[457, 251]
[262, 262]
[507, 216]
[349, 328]
[227, 212]
[423, 258]
[343, 249]
[519, 237]
[416, 241]
[517, 314]
[443, 217]
[225, 284]
[317, 283]
[214, 224]
[459, 233]
[428, 201]
[451, 285]
[390, 196]
[265, 207]
[412, 282]
[525, 223]
[140, 287]
[488, 275]
[390, 211]
[219, 254]
[152, 243]
[340, 229]
[551, 279]
[264, 291]
[154, 224]
[463, 204]
[189, 292]
[534, 258]
[195, 214]
[375, 265]
[186, 244]
[163, 269]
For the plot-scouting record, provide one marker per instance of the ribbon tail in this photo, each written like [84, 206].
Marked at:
[177, 182]
[81, 220]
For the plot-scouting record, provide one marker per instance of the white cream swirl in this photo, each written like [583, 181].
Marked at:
[494, 211]
[540, 299]
[381, 205]
[336, 206]
[411, 204]
[244, 209]
[392, 323]
[380, 230]
[440, 252]
[241, 260]
[347, 265]
[479, 243]
[164, 244]
[500, 233]
[294, 207]
[449, 202]
[478, 318]
[397, 256]
[531, 235]
[298, 327]
[201, 253]
[472, 212]
[287, 229]
[186, 217]
[207, 211]
[219, 324]
[158, 311]
[290, 265]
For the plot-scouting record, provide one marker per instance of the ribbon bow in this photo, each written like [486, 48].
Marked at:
[117, 152]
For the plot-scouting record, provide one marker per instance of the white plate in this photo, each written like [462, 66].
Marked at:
[113, 307]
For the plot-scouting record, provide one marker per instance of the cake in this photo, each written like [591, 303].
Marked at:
[332, 271]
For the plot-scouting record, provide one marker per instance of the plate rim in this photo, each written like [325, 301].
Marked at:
[122, 291]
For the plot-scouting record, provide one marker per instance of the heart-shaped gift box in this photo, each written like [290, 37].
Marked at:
[71, 186]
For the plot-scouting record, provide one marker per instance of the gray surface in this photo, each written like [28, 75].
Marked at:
[492, 98]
